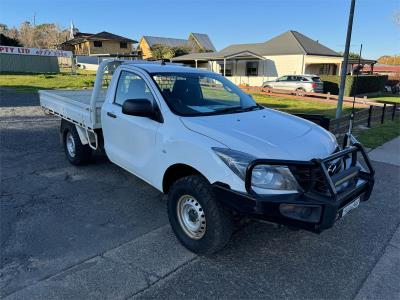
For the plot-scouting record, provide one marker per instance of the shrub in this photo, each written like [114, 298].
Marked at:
[365, 84]
[88, 82]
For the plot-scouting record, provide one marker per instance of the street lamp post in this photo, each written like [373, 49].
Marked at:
[345, 61]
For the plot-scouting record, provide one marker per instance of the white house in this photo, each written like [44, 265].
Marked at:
[252, 64]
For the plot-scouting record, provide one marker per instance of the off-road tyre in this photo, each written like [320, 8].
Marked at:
[218, 222]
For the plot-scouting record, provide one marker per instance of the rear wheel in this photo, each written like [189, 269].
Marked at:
[300, 92]
[197, 219]
[76, 153]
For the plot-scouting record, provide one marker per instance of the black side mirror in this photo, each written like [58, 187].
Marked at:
[138, 107]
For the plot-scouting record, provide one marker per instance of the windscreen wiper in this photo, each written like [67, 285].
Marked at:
[229, 109]
[253, 107]
[237, 109]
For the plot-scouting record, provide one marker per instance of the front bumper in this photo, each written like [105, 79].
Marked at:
[328, 196]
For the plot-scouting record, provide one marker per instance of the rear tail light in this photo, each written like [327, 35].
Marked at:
[314, 85]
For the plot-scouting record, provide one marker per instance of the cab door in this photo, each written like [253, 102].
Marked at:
[281, 83]
[130, 141]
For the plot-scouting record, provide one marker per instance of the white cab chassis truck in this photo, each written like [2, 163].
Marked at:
[195, 136]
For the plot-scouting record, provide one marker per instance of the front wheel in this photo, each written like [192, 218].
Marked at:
[197, 219]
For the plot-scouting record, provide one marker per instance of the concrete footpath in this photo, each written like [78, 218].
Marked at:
[388, 153]
[384, 280]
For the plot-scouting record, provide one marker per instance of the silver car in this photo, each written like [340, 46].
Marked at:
[300, 84]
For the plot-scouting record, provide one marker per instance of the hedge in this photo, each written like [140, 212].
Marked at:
[365, 84]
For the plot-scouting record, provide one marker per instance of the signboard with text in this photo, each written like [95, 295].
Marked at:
[34, 51]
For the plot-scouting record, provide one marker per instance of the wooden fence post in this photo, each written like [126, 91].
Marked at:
[328, 95]
[369, 116]
[394, 110]
[383, 113]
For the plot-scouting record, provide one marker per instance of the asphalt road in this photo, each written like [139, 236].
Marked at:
[99, 232]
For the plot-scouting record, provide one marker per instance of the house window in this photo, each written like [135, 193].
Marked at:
[98, 43]
[252, 68]
[228, 69]
[123, 45]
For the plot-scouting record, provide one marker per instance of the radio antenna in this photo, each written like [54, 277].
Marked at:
[351, 124]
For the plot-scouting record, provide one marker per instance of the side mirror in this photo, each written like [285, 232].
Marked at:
[138, 107]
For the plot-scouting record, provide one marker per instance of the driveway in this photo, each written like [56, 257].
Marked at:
[98, 232]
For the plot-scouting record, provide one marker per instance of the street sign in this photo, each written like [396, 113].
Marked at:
[34, 51]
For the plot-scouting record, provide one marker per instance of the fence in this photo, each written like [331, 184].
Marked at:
[365, 117]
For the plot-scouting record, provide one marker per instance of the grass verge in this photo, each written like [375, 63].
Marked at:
[378, 134]
[386, 98]
[294, 106]
[28, 83]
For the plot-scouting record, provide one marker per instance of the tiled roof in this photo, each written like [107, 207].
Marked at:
[101, 36]
[204, 40]
[172, 42]
[201, 39]
[290, 42]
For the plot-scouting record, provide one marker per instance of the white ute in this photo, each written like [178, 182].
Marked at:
[194, 135]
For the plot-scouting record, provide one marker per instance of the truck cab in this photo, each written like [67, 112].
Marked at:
[197, 137]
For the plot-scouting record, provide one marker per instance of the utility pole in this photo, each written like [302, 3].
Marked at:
[345, 61]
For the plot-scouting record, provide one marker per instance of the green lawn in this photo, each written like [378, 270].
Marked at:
[386, 98]
[291, 105]
[378, 134]
[26, 83]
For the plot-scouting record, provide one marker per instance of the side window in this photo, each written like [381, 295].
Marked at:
[283, 78]
[131, 86]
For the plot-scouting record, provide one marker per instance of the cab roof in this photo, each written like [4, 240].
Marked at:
[167, 68]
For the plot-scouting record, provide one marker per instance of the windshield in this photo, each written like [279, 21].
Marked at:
[191, 94]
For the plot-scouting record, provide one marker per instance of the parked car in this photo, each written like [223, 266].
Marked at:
[300, 84]
[197, 137]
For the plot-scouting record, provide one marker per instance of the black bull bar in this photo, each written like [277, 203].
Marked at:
[319, 187]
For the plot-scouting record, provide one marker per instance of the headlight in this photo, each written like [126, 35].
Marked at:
[263, 176]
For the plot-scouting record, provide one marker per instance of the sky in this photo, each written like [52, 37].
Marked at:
[225, 21]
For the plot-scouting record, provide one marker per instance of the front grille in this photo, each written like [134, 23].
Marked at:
[310, 179]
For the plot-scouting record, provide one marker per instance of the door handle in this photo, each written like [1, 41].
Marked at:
[112, 115]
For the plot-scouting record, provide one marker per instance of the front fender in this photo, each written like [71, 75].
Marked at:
[194, 150]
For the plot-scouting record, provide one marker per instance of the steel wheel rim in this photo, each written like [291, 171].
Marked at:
[70, 144]
[191, 217]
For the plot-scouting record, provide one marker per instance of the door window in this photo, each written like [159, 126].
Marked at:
[283, 78]
[131, 86]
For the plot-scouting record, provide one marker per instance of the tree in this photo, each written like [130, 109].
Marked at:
[160, 52]
[8, 41]
[389, 59]
[40, 36]
[181, 50]
[167, 52]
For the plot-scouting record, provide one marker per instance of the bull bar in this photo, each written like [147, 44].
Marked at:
[331, 194]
